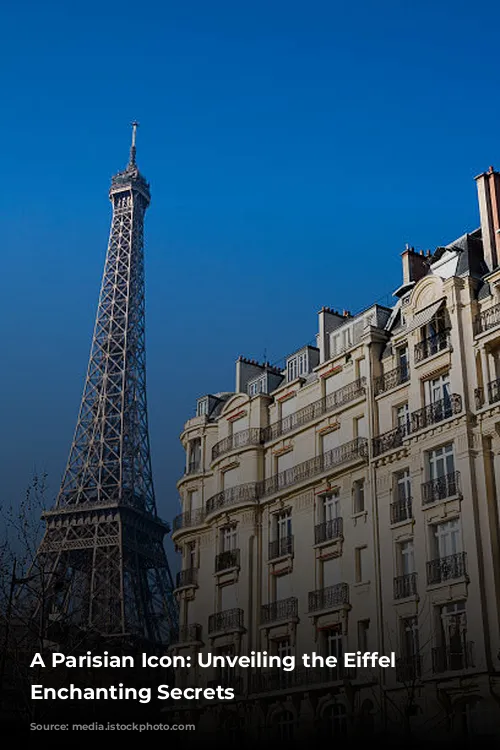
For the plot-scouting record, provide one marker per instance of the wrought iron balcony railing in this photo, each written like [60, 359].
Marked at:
[401, 510]
[284, 609]
[432, 345]
[187, 577]
[391, 379]
[355, 449]
[436, 412]
[228, 620]
[488, 319]
[226, 560]
[312, 411]
[494, 391]
[453, 658]
[390, 440]
[447, 568]
[188, 633]
[277, 680]
[408, 669]
[191, 518]
[441, 488]
[242, 493]
[252, 436]
[281, 547]
[328, 531]
[329, 597]
[405, 586]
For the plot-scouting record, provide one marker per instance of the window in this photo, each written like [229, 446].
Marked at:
[333, 643]
[360, 368]
[225, 675]
[330, 508]
[402, 360]
[227, 597]
[447, 538]
[407, 557]
[190, 552]
[453, 636]
[360, 427]
[403, 486]
[330, 572]
[283, 524]
[257, 386]
[228, 538]
[410, 640]
[284, 724]
[193, 501]
[403, 417]
[335, 719]
[330, 441]
[347, 338]
[359, 496]
[361, 560]
[302, 364]
[292, 370]
[194, 463]
[438, 390]
[363, 630]
[283, 647]
[202, 407]
[441, 462]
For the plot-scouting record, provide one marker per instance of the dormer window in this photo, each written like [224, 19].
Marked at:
[301, 363]
[257, 386]
[202, 407]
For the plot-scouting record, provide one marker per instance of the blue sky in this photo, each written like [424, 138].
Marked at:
[292, 150]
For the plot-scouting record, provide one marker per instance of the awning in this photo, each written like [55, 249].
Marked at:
[425, 316]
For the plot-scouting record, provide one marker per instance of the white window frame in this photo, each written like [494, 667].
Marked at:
[407, 557]
[441, 461]
[448, 538]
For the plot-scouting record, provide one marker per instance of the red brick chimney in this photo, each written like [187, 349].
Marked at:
[488, 193]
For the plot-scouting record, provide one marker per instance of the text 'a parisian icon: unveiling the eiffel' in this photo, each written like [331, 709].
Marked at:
[102, 554]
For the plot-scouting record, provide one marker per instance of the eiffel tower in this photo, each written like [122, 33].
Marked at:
[102, 556]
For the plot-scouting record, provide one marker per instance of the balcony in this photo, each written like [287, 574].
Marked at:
[227, 621]
[408, 669]
[191, 518]
[312, 411]
[487, 319]
[281, 547]
[277, 680]
[186, 577]
[328, 531]
[401, 510]
[405, 586]
[193, 467]
[453, 659]
[227, 560]
[392, 379]
[432, 345]
[390, 440]
[494, 391]
[441, 488]
[436, 412]
[252, 436]
[329, 597]
[447, 568]
[355, 449]
[188, 634]
[283, 610]
[242, 493]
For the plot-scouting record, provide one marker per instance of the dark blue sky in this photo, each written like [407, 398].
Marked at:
[292, 150]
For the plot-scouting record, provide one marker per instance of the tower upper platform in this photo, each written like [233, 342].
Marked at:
[131, 178]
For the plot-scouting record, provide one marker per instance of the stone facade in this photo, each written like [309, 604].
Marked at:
[351, 502]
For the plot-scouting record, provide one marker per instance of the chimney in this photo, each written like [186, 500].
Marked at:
[415, 265]
[488, 193]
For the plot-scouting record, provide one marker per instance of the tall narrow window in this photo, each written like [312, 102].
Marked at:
[359, 496]
[402, 360]
[363, 631]
[330, 508]
[448, 539]
[441, 462]
[361, 563]
[403, 418]
[228, 538]
[407, 557]
[191, 561]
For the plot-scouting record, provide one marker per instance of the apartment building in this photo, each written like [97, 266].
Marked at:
[350, 501]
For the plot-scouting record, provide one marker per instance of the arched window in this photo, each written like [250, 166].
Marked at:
[335, 719]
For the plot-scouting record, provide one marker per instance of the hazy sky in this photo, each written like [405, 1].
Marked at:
[292, 150]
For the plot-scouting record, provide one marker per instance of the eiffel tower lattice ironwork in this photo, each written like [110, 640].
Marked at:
[102, 554]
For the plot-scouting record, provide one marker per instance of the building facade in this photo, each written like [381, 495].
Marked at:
[350, 501]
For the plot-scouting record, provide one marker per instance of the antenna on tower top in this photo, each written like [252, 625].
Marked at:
[135, 125]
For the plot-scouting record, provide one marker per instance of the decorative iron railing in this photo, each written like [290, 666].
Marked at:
[488, 319]
[329, 597]
[391, 379]
[187, 633]
[441, 488]
[191, 518]
[308, 413]
[401, 510]
[226, 560]
[226, 621]
[328, 531]
[494, 391]
[436, 412]
[251, 436]
[281, 547]
[187, 577]
[284, 609]
[453, 658]
[405, 586]
[390, 440]
[447, 568]
[432, 345]
[193, 467]
[242, 493]
[277, 680]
